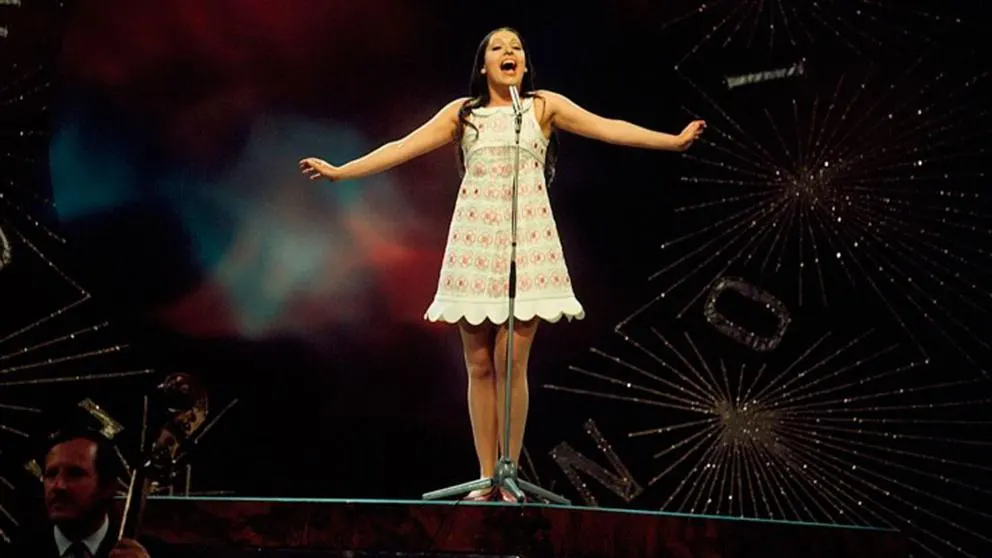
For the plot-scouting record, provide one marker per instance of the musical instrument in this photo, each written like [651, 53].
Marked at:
[180, 413]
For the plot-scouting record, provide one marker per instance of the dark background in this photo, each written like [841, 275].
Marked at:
[162, 180]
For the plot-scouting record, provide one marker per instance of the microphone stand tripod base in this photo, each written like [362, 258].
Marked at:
[505, 480]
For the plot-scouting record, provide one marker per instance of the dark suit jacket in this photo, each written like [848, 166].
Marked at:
[41, 544]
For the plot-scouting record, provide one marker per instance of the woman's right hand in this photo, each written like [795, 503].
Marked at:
[315, 169]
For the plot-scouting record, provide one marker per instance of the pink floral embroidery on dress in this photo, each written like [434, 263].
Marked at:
[474, 277]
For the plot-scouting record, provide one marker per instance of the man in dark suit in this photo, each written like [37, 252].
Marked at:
[80, 483]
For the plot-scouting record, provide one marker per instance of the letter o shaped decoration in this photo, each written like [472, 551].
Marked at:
[737, 333]
[5, 252]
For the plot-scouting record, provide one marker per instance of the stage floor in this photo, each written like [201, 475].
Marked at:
[223, 526]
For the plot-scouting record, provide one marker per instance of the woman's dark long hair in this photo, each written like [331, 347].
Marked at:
[479, 97]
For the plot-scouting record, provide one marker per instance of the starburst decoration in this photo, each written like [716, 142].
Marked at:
[846, 431]
[51, 336]
[863, 27]
[842, 193]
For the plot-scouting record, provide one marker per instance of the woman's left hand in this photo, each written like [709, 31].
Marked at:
[690, 134]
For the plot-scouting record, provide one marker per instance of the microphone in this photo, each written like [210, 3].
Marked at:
[515, 99]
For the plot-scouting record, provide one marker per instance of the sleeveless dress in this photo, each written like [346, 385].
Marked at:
[474, 280]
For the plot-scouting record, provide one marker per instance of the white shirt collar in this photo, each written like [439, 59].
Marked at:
[92, 542]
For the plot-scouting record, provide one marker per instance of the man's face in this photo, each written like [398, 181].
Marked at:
[72, 487]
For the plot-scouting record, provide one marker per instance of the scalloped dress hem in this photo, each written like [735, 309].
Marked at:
[549, 310]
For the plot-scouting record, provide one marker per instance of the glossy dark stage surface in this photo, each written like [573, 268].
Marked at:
[277, 527]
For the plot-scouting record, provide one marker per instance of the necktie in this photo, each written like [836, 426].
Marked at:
[78, 550]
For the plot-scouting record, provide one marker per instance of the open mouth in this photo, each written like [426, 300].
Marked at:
[508, 66]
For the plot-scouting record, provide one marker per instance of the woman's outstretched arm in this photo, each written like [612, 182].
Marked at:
[435, 133]
[570, 117]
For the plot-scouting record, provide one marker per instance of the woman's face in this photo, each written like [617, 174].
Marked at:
[505, 61]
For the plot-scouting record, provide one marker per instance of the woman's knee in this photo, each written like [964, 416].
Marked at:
[518, 374]
[520, 361]
[478, 350]
[479, 368]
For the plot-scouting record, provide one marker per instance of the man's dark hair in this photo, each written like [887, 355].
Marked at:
[108, 465]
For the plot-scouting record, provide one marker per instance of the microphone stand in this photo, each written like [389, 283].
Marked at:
[505, 475]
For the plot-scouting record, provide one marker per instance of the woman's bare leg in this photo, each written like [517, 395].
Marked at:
[523, 338]
[477, 345]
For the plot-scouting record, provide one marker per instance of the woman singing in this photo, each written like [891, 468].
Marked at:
[473, 290]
